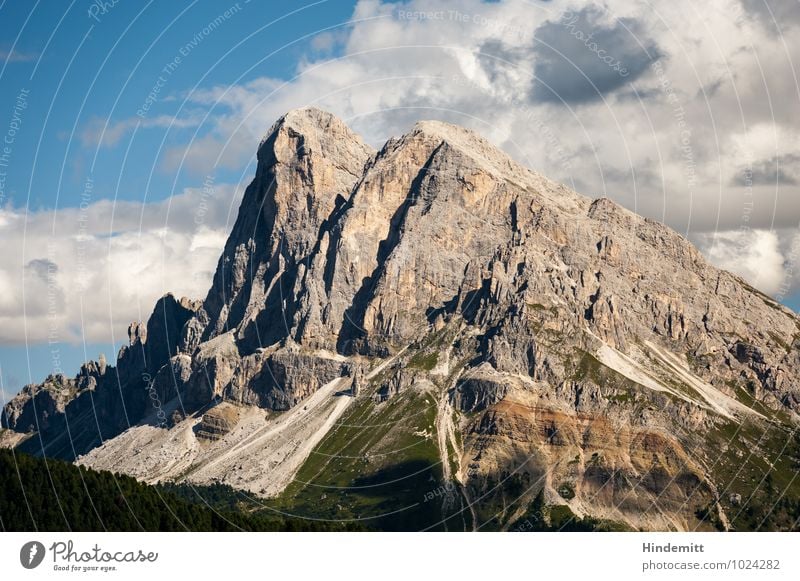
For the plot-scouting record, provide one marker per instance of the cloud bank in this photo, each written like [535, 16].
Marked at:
[83, 274]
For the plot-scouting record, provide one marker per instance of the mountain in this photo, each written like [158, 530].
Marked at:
[431, 336]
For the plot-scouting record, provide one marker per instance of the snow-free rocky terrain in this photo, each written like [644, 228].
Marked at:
[433, 336]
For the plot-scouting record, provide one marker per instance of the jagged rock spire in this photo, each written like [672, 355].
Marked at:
[307, 165]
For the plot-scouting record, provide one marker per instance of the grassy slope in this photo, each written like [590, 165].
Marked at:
[375, 466]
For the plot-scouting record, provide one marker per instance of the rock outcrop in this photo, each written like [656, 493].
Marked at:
[217, 422]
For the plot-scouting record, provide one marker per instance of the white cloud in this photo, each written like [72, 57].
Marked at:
[101, 132]
[86, 273]
[790, 285]
[755, 255]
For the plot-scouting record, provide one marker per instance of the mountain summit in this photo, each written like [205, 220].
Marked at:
[433, 336]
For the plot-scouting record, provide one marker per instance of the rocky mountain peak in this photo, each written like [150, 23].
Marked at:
[308, 165]
[310, 131]
[566, 347]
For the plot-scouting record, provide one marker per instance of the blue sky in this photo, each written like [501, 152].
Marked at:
[80, 71]
[134, 128]
[82, 68]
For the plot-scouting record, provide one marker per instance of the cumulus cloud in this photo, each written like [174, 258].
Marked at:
[775, 171]
[584, 55]
[85, 273]
[755, 255]
[777, 15]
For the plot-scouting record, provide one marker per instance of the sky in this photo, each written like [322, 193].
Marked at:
[129, 130]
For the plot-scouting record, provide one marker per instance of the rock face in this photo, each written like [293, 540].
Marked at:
[73, 415]
[307, 167]
[575, 349]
